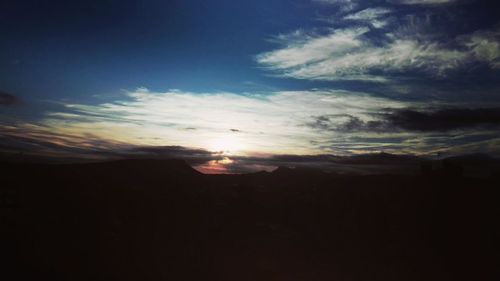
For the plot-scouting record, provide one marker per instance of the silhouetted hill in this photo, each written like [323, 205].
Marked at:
[162, 220]
[143, 167]
[477, 158]
[476, 165]
[147, 172]
[380, 158]
[282, 171]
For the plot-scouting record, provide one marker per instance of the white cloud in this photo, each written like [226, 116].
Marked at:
[345, 5]
[274, 124]
[371, 15]
[351, 54]
[312, 49]
[286, 122]
[485, 46]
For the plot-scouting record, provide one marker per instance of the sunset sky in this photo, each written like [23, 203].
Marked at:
[230, 85]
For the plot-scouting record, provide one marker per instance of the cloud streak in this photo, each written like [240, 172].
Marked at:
[264, 123]
[408, 120]
[223, 132]
[344, 5]
[359, 53]
[371, 15]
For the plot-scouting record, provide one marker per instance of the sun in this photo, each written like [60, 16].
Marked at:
[226, 144]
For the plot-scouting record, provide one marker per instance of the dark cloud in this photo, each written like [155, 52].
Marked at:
[7, 99]
[351, 124]
[321, 122]
[192, 155]
[361, 164]
[27, 145]
[356, 124]
[444, 119]
[440, 120]
[235, 130]
[30, 149]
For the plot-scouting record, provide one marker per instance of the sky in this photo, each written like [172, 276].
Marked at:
[238, 86]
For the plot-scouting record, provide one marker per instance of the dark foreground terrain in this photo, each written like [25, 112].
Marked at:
[162, 220]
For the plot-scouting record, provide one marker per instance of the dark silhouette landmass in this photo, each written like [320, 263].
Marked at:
[163, 220]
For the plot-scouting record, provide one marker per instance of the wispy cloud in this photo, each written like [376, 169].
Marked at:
[352, 53]
[408, 119]
[370, 15]
[272, 123]
[227, 130]
[31, 143]
[422, 2]
[484, 45]
[344, 5]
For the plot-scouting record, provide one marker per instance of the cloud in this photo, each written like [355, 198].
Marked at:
[404, 120]
[356, 124]
[445, 119]
[7, 99]
[422, 2]
[370, 15]
[151, 124]
[358, 164]
[192, 156]
[345, 5]
[346, 123]
[266, 123]
[28, 146]
[360, 53]
[35, 144]
[30, 143]
[310, 49]
[484, 45]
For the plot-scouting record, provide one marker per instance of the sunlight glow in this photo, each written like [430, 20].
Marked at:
[226, 144]
[286, 122]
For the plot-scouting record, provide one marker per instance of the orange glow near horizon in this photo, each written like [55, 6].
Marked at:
[221, 167]
[215, 166]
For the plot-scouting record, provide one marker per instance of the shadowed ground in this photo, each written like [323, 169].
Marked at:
[162, 220]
